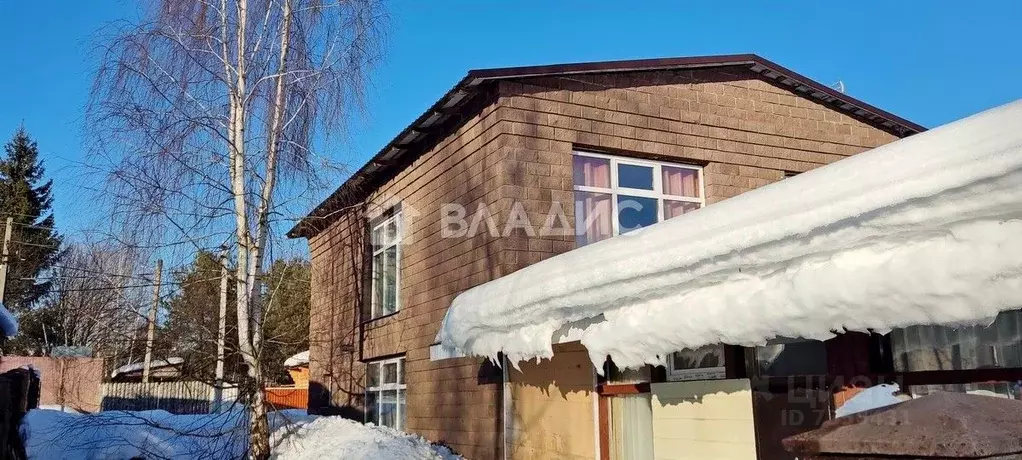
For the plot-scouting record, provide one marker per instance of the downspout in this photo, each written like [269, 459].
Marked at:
[596, 415]
[505, 413]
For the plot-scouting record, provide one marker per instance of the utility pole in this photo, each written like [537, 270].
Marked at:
[6, 258]
[152, 322]
[221, 332]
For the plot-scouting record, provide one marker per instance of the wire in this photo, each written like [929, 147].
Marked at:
[25, 243]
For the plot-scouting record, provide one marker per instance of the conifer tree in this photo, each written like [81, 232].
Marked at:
[26, 196]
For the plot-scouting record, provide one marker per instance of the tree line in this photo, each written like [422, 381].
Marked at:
[85, 294]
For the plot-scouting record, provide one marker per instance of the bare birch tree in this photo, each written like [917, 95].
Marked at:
[206, 118]
[95, 301]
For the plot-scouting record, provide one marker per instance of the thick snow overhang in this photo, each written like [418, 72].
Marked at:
[925, 230]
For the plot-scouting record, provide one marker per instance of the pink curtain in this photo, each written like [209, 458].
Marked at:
[681, 182]
[592, 172]
[677, 208]
[593, 213]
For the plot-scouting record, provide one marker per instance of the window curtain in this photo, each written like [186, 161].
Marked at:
[681, 182]
[592, 172]
[676, 208]
[631, 427]
[593, 211]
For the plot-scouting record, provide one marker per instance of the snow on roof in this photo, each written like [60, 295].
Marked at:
[925, 230]
[156, 363]
[8, 323]
[297, 360]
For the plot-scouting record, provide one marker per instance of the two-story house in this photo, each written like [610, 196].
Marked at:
[513, 166]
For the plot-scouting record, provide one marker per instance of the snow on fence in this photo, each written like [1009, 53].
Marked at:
[173, 397]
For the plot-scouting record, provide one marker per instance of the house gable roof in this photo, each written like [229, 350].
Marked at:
[453, 108]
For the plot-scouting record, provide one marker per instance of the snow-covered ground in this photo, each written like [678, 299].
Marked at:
[55, 435]
[925, 230]
[334, 437]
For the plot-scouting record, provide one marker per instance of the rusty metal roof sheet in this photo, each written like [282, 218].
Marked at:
[944, 425]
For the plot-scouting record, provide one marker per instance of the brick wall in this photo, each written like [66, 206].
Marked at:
[455, 401]
[517, 152]
[746, 132]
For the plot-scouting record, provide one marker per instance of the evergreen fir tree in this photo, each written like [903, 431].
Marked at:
[26, 196]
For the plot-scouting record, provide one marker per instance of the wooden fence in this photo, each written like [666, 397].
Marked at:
[173, 397]
[19, 393]
[287, 398]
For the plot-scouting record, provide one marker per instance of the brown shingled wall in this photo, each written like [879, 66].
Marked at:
[746, 132]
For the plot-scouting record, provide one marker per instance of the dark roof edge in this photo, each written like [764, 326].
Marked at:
[439, 116]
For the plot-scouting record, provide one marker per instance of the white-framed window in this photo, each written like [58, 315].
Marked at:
[385, 401]
[614, 195]
[386, 282]
[706, 363]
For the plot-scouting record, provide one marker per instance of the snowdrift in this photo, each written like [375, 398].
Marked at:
[925, 230]
[50, 434]
[334, 437]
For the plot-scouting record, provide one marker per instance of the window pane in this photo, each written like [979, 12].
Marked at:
[377, 238]
[786, 357]
[676, 208]
[377, 301]
[390, 235]
[390, 281]
[592, 172]
[388, 408]
[636, 212]
[593, 216]
[403, 406]
[936, 348]
[372, 375]
[708, 356]
[401, 371]
[390, 373]
[681, 181]
[1007, 390]
[633, 176]
[703, 363]
[372, 410]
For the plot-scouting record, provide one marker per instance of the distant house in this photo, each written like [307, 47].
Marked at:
[159, 370]
[295, 396]
[298, 368]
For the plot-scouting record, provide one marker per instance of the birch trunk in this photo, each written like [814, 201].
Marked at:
[192, 94]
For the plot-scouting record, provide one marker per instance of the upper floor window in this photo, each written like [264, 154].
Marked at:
[614, 195]
[386, 242]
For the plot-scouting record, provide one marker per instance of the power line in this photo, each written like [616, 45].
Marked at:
[37, 245]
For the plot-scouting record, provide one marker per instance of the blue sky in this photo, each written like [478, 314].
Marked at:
[930, 62]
